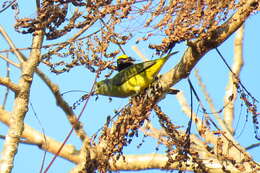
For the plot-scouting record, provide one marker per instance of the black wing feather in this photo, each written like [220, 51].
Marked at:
[131, 71]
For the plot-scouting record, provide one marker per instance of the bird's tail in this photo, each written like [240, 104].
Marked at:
[170, 54]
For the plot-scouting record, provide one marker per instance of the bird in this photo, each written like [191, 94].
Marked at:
[131, 80]
[123, 62]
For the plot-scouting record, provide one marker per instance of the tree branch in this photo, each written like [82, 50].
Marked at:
[7, 89]
[231, 89]
[20, 106]
[159, 161]
[31, 135]
[11, 44]
[9, 61]
[9, 84]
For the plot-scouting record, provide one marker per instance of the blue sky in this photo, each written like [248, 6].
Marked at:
[212, 69]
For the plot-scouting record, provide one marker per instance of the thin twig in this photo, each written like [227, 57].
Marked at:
[9, 61]
[139, 53]
[10, 4]
[11, 44]
[7, 89]
[44, 136]
[253, 146]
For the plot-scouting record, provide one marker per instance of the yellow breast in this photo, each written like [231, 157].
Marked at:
[142, 80]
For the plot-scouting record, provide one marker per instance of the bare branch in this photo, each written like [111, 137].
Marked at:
[11, 44]
[20, 106]
[159, 161]
[9, 61]
[32, 136]
[253, 146]
[7, 89]
[231, 89]
[9, 84]
[139, 53]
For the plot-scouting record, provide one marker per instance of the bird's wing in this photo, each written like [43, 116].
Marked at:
[131, 71]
